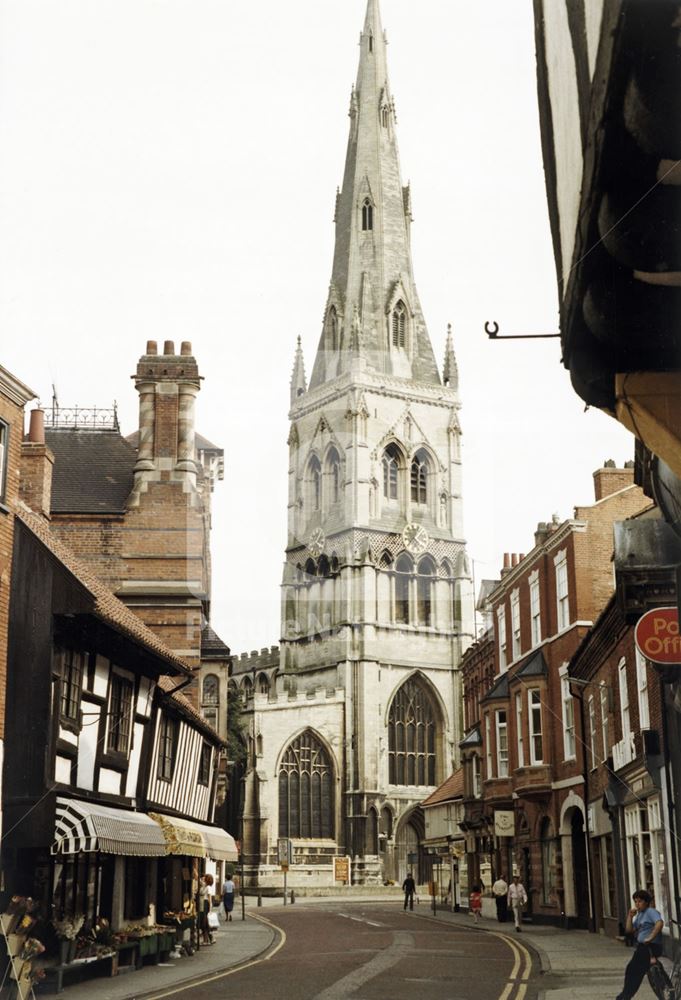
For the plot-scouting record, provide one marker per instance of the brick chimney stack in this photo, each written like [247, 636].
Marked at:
[35, 482]
[610, 479]
[168, 385]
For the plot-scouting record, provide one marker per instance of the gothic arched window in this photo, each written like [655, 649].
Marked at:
[211, 690]
[247, 690]
[367, 215]
[411, 736]
[306, 796]
[315, 483]
[333, 328]
[263, 684]
[424, 591]
[391, 468]
[404, 569]
[333, 466]
[420, 467]
[371, 838]
[399, 325]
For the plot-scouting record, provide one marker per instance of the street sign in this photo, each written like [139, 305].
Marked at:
[657, 636]
[284, 852]
[341, 870]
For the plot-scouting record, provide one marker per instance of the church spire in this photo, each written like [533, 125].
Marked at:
[372, 267]
[298, 382]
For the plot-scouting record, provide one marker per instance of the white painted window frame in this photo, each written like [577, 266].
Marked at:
[488, 747]
[536, 733]
[592, 731]
[562, 591]
[605, 729]
[642, 688]
[515, 623]
[501, 637]
[501, 734]
[520, 739]
[568, 713]
[535, 608]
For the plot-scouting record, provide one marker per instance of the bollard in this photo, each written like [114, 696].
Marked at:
[259, 899]
[293, 896]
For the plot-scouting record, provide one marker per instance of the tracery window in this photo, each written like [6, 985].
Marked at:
[399, 325]
[411, 736]
[263, 684]
[334, 476]
[424, 591]
[211, 690]
[367, 215]
[391, 466]
[404, 569]
[306, 797]
[419, 478]
[315, 483]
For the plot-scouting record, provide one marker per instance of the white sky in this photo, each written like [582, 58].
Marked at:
[168, 171]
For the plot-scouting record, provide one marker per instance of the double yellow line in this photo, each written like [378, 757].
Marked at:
[517, 980]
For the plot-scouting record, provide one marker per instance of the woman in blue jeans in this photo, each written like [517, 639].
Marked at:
[645, 923]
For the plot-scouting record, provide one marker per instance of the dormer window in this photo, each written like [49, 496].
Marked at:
[399, 325]
[385, 116]
[367, 215]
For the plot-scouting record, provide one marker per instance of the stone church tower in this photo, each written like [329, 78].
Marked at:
[359, 717]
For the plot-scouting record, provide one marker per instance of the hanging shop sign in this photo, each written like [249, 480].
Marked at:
[504, 823]
[657, 636]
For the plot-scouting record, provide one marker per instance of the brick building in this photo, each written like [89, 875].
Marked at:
[137, 509]
[531, 814]
[627, 770]
[14, 396]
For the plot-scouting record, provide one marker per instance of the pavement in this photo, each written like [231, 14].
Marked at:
[236, 944]
[575, 965]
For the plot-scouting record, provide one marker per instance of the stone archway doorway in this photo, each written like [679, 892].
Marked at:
[409, 854]
[580, 869]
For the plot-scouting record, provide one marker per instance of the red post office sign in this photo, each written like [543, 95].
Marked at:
[657, 636]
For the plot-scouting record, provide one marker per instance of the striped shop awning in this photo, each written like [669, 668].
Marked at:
[220, 845]
[196, 840]
[88, 826]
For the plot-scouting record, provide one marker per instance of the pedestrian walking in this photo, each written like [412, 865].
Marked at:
[409, 888]
[645, 923]
[516, 899]
[475, 902]
[228, 894]
[205, 899]
[500, 893]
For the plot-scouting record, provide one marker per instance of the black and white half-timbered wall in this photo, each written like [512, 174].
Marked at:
[109, 772]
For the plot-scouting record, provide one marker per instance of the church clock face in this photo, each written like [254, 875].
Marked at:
[316, 542]
[415, 538]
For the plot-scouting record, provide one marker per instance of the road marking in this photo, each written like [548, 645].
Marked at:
[229, 972]
[361, 920]
[345, 987]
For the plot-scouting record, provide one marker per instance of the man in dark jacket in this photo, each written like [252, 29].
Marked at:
[409, 888]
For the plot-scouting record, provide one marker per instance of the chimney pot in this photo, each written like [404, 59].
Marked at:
[507, 560]
[169, 347]
[36, 426]
[152, 347]
[521, 557]
[514, 559]
[609, 464]
[186, 348]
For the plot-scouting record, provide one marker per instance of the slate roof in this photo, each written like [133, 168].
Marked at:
[498, 690]
[212, 646]
[535, 667]
[107, 607]
[472, 739]
[450, 789]
[92, 471]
